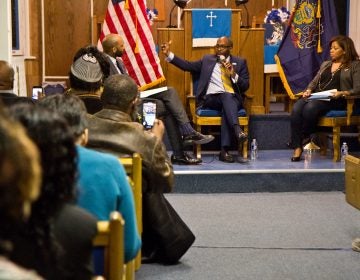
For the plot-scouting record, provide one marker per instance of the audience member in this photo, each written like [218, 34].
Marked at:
[340, 74]
[223, 80]
[20, 179]
[7, 94]
[100, 57]
[113, 130]
[103, 186]
[57, 240]
[168, 105]
[86, 78]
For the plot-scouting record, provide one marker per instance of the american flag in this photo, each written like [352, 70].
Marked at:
[128, 18]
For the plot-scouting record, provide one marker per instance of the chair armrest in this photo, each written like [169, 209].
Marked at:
[350, 100]
[192, 104]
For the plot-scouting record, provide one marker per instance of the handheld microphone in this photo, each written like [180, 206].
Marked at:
[221, 58]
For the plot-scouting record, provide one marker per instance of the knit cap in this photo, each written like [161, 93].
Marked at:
[87, 69]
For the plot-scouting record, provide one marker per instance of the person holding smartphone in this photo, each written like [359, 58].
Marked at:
[114, 130]
[169, 107]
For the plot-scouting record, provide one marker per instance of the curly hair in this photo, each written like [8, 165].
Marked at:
[71, 107]
[51, 134]
[20, 177]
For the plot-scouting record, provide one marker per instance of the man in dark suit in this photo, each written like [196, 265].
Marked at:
[223, 80]
[168, 106]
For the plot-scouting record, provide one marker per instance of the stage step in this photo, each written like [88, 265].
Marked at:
[271, 172]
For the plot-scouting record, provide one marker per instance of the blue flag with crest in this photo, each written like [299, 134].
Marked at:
[306, 43]
[210, 24]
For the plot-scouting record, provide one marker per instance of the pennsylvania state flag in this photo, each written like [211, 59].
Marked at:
[306, 43]
[209, 25]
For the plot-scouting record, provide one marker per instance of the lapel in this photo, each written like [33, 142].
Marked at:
[121, 66]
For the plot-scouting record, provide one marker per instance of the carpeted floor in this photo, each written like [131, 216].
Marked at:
[269, 236]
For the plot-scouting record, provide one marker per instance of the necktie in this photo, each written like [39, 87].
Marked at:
[226, 80]
[121, 66]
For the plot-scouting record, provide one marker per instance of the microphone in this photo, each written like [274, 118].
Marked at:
[221, 58]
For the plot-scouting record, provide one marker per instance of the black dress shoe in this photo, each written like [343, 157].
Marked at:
[185, 159]
[197, 138]
[226, 157]
[241, 137]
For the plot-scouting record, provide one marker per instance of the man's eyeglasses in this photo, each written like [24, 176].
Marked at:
[221, 46]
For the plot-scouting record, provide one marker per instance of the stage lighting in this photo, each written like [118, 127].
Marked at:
[177, 3]
[243, 2]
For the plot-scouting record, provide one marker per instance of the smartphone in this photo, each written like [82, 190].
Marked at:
[36, 92]
[149, 114]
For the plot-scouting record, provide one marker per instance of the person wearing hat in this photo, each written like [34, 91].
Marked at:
[86, 77]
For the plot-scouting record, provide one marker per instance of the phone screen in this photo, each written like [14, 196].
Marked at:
[36, 92]
[149, 114]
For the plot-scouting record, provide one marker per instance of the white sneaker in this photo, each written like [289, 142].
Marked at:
[356, 245]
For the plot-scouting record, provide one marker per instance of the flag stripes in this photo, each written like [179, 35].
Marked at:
[140, 57]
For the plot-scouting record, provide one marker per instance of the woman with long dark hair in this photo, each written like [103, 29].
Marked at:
[341, 73]
[57, 240]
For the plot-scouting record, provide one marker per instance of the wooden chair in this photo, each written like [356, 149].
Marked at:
[336, 120]
[110, 236]
[133, 168]
[202, 117]
[352, 181]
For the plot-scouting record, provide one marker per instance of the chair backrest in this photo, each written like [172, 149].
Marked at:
[92, 102]
[195, 81]
[110, 237]
[133, 168]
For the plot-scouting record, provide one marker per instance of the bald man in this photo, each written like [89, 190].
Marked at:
[168, 105]
[7, 95]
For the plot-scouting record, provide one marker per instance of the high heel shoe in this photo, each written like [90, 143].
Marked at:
[297, 158]
[293, 159]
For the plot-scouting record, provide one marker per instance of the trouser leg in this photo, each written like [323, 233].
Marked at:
[173, 104]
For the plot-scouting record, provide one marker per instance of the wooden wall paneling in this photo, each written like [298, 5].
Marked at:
[256, 8]
[160, 6]
[67, 28]
[252, 49]
[33, 65]
[100, 7]
[174, 76]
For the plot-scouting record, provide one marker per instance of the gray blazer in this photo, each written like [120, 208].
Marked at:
[349, 77]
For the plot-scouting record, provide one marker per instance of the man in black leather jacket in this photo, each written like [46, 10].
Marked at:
[114, 130]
